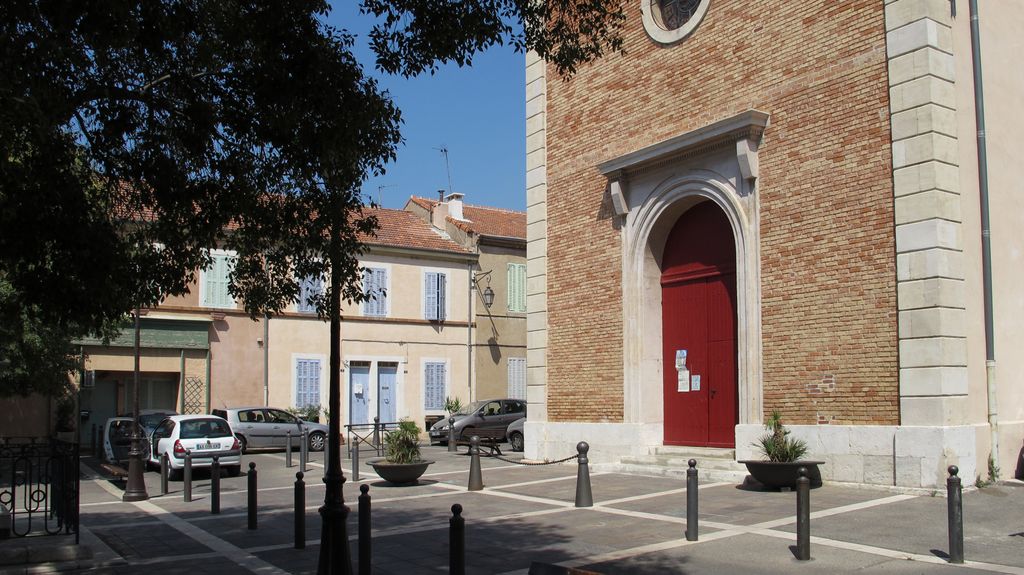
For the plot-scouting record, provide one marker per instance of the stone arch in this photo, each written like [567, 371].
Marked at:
[644, 233]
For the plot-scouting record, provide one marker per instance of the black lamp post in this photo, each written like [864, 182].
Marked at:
[135, 489]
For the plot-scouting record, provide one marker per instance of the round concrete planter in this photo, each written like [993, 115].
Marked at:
[399, 473]
[778, 474]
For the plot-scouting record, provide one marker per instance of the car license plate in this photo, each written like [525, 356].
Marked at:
[207, 446]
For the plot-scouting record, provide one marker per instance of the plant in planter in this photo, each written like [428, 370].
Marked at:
[402, 462]
[783, 457]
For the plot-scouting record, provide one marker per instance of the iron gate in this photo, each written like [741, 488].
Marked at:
[39, 482]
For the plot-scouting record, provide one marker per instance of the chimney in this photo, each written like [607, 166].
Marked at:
[440, 211]
[455, 206]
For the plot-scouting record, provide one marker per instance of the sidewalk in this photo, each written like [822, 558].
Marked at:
[525, 514]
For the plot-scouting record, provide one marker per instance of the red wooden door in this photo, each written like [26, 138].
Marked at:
[699, 316]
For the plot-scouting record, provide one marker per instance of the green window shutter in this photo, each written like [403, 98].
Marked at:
[215, 282]
[517, 288]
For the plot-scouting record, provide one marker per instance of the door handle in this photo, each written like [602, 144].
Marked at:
[712, 393]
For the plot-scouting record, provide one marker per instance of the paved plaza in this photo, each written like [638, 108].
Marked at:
[526, 514]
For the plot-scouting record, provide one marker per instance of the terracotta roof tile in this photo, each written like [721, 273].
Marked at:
[399, 228]
[484, 221]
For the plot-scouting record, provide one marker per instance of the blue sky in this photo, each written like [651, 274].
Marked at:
[476, 112]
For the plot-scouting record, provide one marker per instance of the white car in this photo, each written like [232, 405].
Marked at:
[203, 435]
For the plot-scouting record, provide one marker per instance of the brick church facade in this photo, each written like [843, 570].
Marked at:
[769, 206]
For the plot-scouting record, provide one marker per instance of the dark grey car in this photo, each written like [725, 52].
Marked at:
[487, 419]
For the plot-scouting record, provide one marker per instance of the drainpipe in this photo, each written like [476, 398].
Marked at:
[469, 332]
[986, 239]
[266, 360]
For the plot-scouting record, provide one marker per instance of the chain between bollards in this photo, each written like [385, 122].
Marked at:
[215, 485]
[300, 511]
[457, 542]
[288, 450]
[252, 495]
[452, 448]
[476, 480]
[955, 504]
[164, 463]
[187, 477]
[365, 542]
[584, 496]
[691, 501]
[803, 515]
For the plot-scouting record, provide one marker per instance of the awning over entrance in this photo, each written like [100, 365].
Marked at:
[191, 332]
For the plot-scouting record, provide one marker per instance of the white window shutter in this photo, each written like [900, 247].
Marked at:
[430, 295]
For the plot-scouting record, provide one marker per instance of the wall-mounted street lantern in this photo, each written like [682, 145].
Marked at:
[488, 297]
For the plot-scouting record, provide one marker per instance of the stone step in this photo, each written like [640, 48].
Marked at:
[682, 462]
[698, 453]
[705, 475]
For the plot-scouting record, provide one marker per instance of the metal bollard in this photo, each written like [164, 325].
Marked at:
[288, 450]
[365, 542]
[803, 515]
[304, 451]
[457, 542]
[163, 473]
[187, 476]
[355, 464]
[452, 448]
[584, 496]
[691, 501]
[476, 480]
[300, 512]
[955, 504]
[215, 485]
[376, 433]
[252, 495]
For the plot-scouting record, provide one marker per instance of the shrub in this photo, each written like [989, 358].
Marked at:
[776, 445]
[403, 444]
[307, 413]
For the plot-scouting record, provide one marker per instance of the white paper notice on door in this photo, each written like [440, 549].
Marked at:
[684, 380]
[695, 383]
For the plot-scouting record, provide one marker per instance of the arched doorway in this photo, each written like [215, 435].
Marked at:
[698, 288]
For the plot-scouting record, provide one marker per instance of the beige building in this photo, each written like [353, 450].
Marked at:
[780, 206]
[403, 352]
[498, 237]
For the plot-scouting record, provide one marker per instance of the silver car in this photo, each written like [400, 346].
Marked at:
[269, 427]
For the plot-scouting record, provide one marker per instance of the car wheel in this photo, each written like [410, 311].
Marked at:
[316, 441]
[241, 443]
[174, 474]
[516, 439]
[234, 471]
[467, 433]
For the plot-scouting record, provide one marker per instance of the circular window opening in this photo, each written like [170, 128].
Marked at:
[673, 14]
[668, 21]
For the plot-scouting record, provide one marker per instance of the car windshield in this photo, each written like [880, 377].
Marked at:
[471, 408]
[199, 428]
[150, 420]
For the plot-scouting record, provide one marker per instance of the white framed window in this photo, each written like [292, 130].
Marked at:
[434, 300]
[517, 288]
[214, 280]
[307, 381]
[517, 378]
[435, 376]
[375, 288]
[309, 286]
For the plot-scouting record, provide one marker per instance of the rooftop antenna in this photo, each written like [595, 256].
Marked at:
[444, 151]
[380, 191]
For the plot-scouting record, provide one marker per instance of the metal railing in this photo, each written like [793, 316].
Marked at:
[39, 486]
[368, 434]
